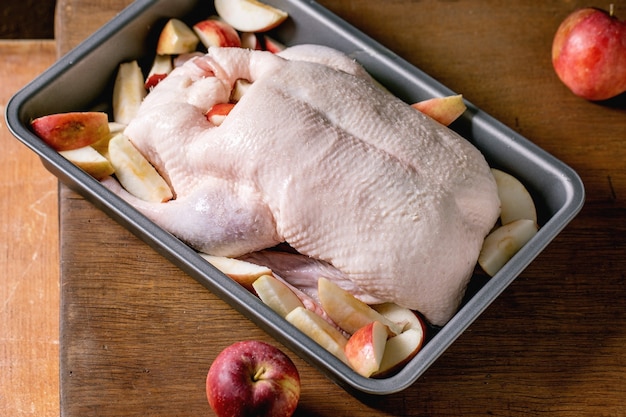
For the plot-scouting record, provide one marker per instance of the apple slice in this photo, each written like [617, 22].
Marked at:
[504, 242]
[115, 127]
[242, 272]
[365, 348]
[176, 38]
[90, 161]
[347, 311]
[318, 329]
[214, 32]
[102, 146]
[180, 60]
[445, 110]
[276, 295]
[250, 40]
[272, 45]
[249, 15]
[515, 200]
[135, 173]
[399, 350]
[239, 89]
[161, 67]
[217, 114]
[128, 92]
[406, 318]
[66, 131]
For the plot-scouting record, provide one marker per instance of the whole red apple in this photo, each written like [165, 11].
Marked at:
[253, 378]
[589, 54]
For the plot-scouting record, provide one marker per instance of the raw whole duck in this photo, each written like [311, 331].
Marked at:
[317, 155]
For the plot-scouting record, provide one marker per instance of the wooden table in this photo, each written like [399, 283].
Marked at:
[29, 255]
[137, 335]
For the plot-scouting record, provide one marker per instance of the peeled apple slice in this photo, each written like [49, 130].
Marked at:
[89, 160]
[504, 242]
[276, 295]
[242, 272]
[135, 173]
[319, 330]
[102, 146]
[347, 311]
[515, 200]
[128, 92]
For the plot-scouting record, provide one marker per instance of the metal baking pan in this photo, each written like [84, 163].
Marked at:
[83, 80]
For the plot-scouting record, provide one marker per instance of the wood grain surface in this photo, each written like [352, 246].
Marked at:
[137, 335]
[29, 254]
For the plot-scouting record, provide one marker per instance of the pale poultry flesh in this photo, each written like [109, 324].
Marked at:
[316, 154]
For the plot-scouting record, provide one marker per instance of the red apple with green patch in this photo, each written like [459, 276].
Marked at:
[589, 54]
[253, 378]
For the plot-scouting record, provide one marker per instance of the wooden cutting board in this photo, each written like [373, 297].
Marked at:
[138, 335]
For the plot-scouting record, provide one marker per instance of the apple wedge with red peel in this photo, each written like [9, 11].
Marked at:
[249, 15]
[66, 131]
[217, 114]
[153, 80]
[504, 242]
[318, 329]
[515, 200]
[162, 64]
[276, 295]
[399, 350]
[239, 89]
[161, 67]
[445, 110]
[272, 45]
[90, 161]
[242, 272]
[135, 173]
[128, 92]
[214, 32]
[347, 311]
[366, 347]
[406, 318]
[176, 38]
